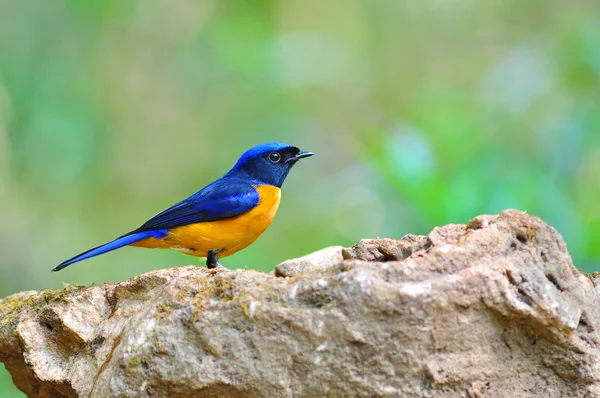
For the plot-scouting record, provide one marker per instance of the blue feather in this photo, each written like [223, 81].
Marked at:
[115, 244]
[225, 198]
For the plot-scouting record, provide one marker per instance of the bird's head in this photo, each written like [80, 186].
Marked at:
[268, 163]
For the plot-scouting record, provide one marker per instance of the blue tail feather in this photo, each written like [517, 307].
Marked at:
[107, 247]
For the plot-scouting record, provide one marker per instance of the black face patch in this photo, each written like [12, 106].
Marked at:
[289, 154]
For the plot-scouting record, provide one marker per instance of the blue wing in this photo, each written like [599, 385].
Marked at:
[224, 198]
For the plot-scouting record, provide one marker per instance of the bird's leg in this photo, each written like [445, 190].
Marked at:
[212, 260]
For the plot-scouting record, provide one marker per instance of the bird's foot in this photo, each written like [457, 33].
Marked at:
[212, 260]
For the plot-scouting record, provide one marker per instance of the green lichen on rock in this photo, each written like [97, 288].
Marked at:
[137, 357]
[137, 360]
[163, 311]
[12, 306]
[222, 288]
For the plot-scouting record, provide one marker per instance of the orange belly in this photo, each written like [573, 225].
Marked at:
[228, 236]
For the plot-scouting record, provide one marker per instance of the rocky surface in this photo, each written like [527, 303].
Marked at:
[317, 261]
[494, 308]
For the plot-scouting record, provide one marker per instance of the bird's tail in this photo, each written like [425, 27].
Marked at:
[107, 247]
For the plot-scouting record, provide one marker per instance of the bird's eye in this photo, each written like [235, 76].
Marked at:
[275, 157]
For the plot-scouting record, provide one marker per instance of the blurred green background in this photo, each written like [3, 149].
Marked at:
[421, 113]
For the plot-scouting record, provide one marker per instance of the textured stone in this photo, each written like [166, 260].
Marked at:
[491, 309]
[319, 260]
[386, 249]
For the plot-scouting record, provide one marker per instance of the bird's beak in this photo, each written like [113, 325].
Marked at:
[300, 155]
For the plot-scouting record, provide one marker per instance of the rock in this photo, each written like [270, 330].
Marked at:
[492, 309]
[319, 260]
[382, 250]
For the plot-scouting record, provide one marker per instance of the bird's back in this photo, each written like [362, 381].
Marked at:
[228, 235]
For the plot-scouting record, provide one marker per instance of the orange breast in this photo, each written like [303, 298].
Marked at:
[229, 236]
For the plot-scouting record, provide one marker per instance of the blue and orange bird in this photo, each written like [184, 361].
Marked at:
[222, 218]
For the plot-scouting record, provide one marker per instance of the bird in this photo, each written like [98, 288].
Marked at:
[222, 218]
